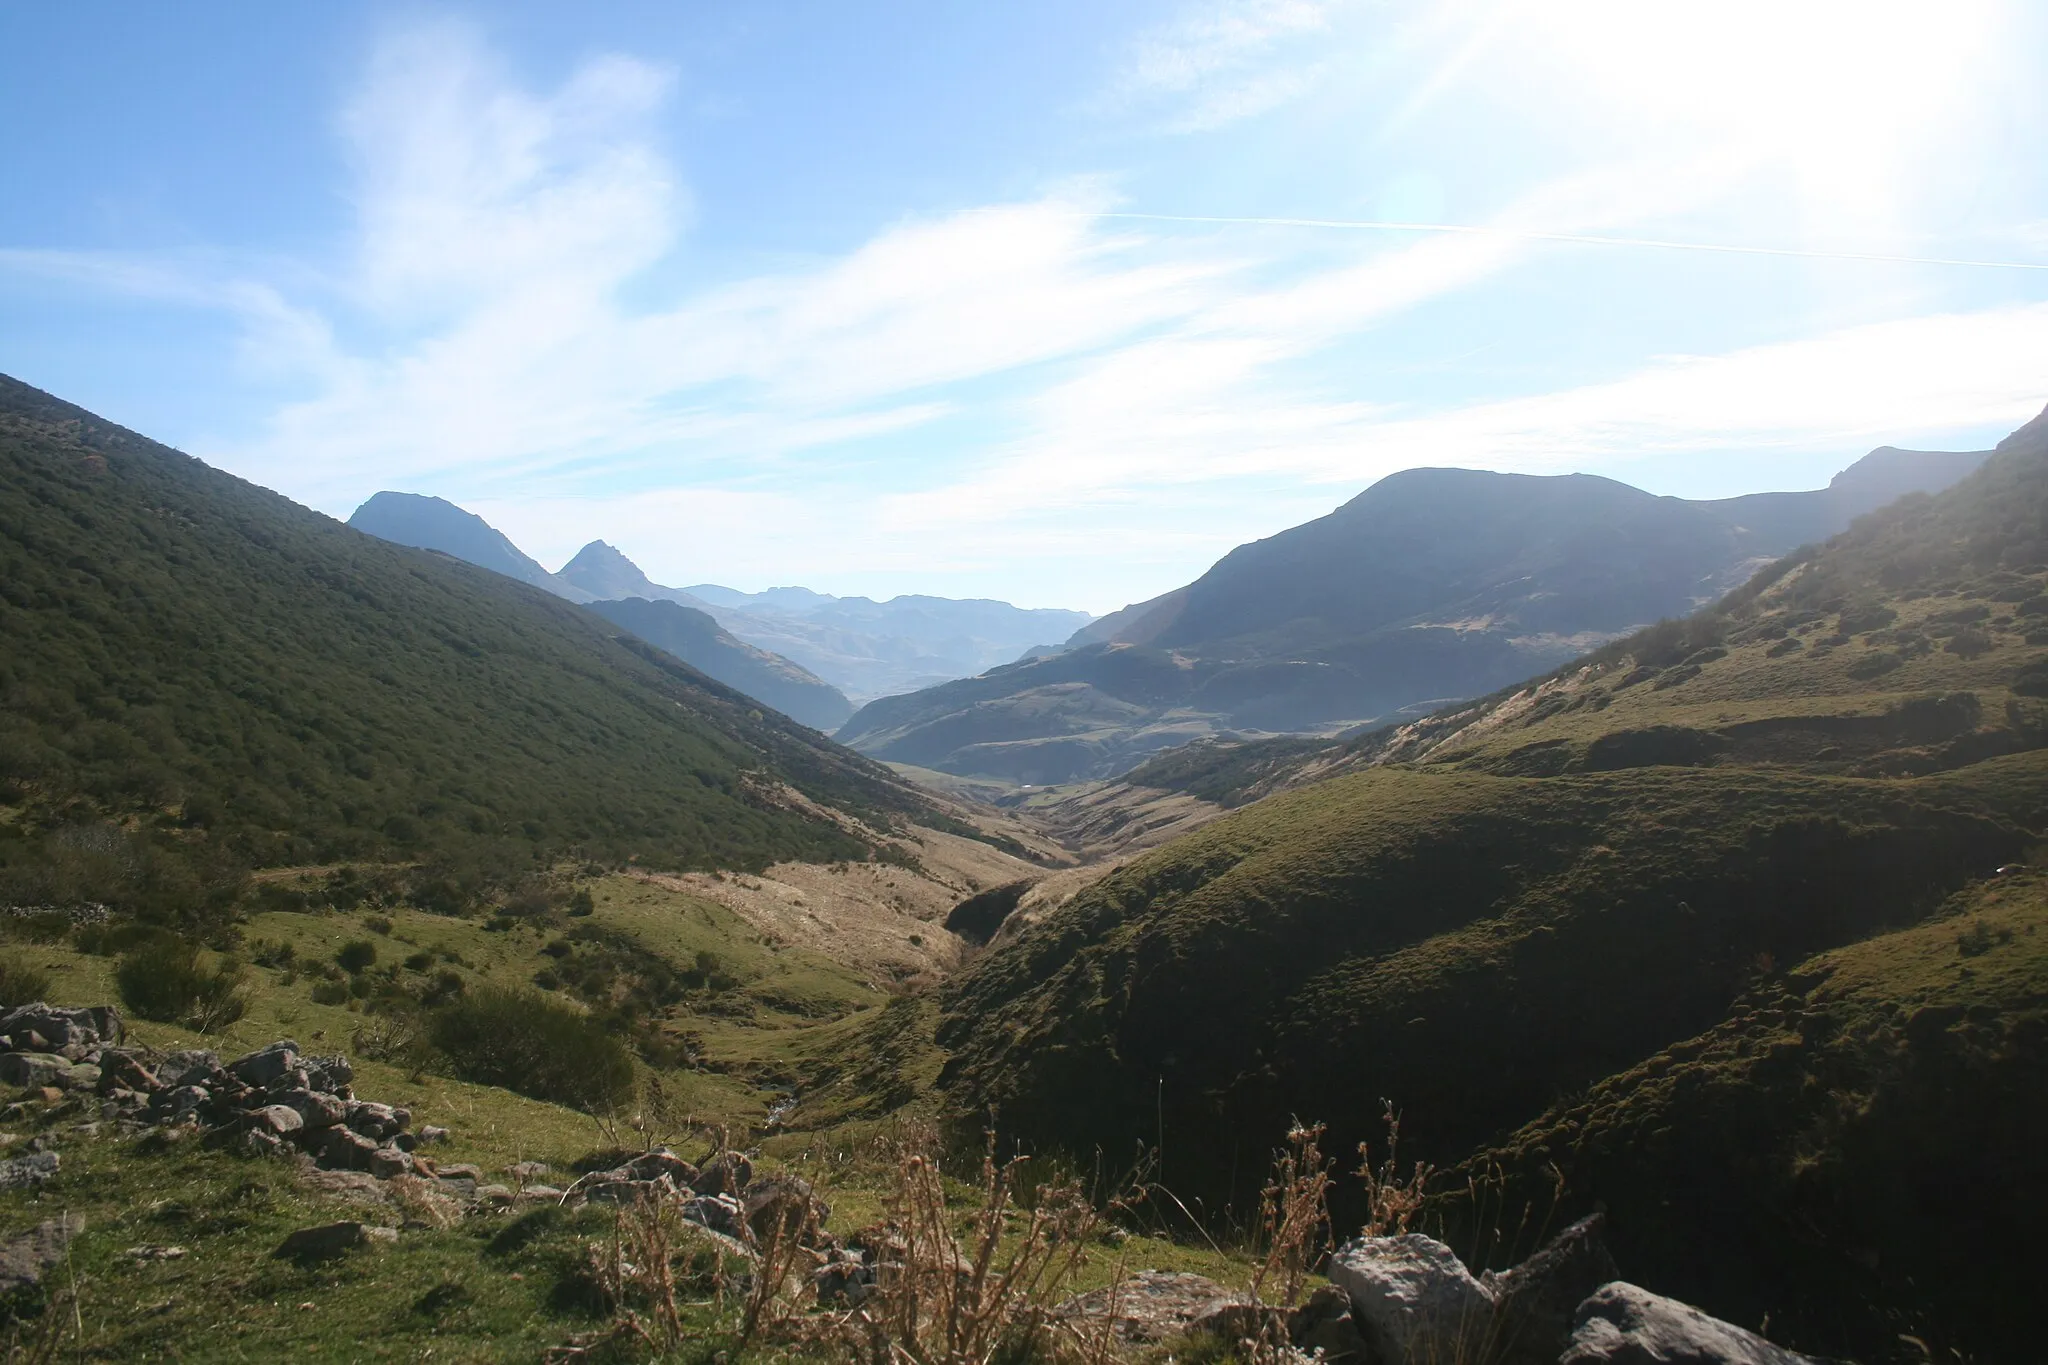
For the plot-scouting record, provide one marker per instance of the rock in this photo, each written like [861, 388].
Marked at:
[1412, 1298]
[123, 1071]
[602, 1189]
[459, 1170]
[1149, 1306]
[25, 1171]
[719, 1212]
[430, 1134]
[1536, 1304]
[314, 1108]
[1261, 1324]
[180, 1067]
[526, 1170]
[150, 1251]
[329, 1241]
[78, 1076]
[329, 1075]
[59, 1027]
[493, 1194]
[378, 1121]
[1623, 1325]
[659, 1162]
[726, 1173]
[541, 1194]
[787, 1203]
[256, 1142]
[1323, 1323]
[342, 1149]
[24, 1258]
[845, 1278]
[385, 1162]
[31, 1070]
[178, 1101]
[265, 1064]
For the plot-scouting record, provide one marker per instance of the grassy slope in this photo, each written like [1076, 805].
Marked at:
[178, 639]
[1514, 903]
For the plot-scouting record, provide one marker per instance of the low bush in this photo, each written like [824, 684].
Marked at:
[355, 957]
[535, 1046]
[21, 983]
[169, 982]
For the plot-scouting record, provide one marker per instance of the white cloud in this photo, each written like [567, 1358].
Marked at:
[1223, 61]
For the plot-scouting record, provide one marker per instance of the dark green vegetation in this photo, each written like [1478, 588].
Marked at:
[1678, 847]
[701, 642]
[201, 676]
[529, 1044]
[1431, 584]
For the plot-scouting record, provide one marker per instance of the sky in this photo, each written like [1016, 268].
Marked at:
[1051, 303]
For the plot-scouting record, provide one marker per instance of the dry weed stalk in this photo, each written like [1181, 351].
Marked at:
[1392, 1204]
[775, 1294]
[634, 1271]
[936, 1301]
[1294, 1216]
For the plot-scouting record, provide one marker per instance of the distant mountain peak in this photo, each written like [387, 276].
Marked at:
[430, 523]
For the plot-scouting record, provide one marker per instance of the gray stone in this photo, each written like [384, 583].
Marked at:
[78, 1076]
[526, 1170]
[329, 1074]
[386, 1162]
[845, 1279]
[25, 1171]
[1412, 1298]
[315, 1108]
[178, 1101]
[661, 1161]
[540, 1194]
[257, 1142]
[1261, 1324]
[1323, 1323]
[604, 1189]
[328, 1241]
[265, 1064]
[1148, 1307]
[1536, 1304]
[787, 1203]
[59, 1027]
[180, 1067]
[494, 1194]
[25, 1257]
[726, 1173]
[431, 1134]
[124, 1071]
[378, 1121]
[1623, 1325]
[342, 1149]
[31, 1069]
[719, 1212]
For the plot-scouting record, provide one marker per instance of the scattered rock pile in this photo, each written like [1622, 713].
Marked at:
[722, 1196]
[1409, 1300]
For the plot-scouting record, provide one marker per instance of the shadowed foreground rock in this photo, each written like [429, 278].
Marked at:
[1623, 1325]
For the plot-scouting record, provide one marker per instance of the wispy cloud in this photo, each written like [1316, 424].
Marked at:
[1223, 61]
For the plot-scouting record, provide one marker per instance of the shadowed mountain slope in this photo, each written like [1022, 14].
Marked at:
[1433, 584]
[696, 639]
[204, 656]
[1501, 917]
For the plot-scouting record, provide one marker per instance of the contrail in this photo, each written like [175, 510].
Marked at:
[1580, 238]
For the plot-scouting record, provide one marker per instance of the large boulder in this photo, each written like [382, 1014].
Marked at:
[1412, 1298]
[266, 1064]
[1535, 1305]
[24, 1172]
[726, 1173]
[785, 1206]
[31, 1070]
[1623, 1325]
[58, 1027]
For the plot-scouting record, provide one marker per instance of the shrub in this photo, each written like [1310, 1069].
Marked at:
[377, 924]
[355, 957]
[168, 982]
[21, 983]
[528, 1043]
[330, 992]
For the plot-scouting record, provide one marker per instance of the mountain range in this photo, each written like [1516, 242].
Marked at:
[1429, 586]
[859, 647]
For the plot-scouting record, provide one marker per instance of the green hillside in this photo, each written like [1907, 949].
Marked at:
[1483, 914]
[200, 674]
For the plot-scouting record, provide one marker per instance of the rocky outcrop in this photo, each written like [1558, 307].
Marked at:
[25, 1257]
[1623, 1325]
[1412, 1298]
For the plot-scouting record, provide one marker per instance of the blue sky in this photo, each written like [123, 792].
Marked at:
[1054, 303]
